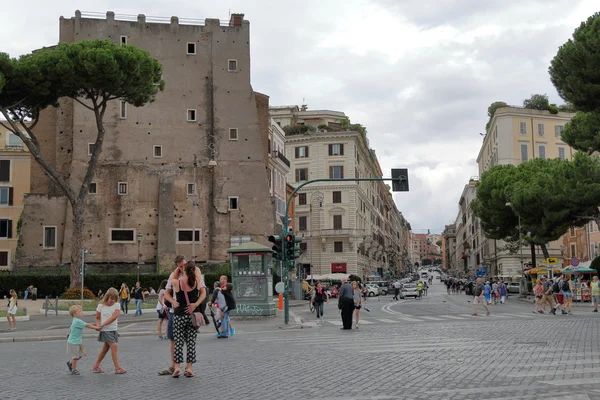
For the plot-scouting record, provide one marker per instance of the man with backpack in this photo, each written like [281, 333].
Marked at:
[548, 296]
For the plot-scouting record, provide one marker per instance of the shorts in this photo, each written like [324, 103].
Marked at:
[108, 337]
[478, 300]
[568, 294]
[595, 299]
[161, 314]
[560, 298]
[170, 327]
[76, 351]
[13, 310]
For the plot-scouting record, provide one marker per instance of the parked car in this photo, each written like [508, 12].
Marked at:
[513, 287]
[371, 290]
[333, 292]
[382, 285]
[409, 290]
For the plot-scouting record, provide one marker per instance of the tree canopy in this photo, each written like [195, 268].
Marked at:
[492, 110]
[574, 71]
[537, 102]
[583, 132]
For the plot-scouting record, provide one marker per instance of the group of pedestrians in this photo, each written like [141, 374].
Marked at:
[179, 303]
[559, 294]
[350, 302]
[139, 295]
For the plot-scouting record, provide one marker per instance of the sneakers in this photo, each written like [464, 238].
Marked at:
[540, 311]
[595, 310]
[231, 332]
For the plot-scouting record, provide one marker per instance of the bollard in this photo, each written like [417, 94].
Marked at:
[46, 305]
[56, 305]
[280, 304]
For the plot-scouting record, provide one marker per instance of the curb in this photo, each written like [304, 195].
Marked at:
[575, 303]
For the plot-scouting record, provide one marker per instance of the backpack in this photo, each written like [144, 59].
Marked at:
[556, 287]
[229, 300]
[565, 285]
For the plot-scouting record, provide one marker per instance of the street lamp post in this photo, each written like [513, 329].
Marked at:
[139, 241]
[315, 196]
[522, 289]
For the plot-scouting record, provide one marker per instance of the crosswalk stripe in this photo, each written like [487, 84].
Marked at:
[335, 322]
[388, 321]
[365, 322]
[409, 319]
[431, 318]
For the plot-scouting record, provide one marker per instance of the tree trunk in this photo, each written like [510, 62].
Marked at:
[533, 261]
[77, 245]
[545, 251]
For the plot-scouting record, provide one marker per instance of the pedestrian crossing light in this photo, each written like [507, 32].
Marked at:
[290, 241]
[277, 247]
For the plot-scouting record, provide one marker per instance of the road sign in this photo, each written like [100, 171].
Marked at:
[552, 261]
[400, 180]
[575, 261]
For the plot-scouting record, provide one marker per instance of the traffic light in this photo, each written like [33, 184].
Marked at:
[277, 247]
[297, 241]
[289, 247]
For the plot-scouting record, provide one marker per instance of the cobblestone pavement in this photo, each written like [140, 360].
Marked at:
[547, 358]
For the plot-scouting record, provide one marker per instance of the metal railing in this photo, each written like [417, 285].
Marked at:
[149, 18]
[282, 158]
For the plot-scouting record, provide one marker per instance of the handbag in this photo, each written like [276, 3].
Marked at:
[198, 319]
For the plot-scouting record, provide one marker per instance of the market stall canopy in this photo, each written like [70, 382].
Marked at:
[328, 277]
[578, 270]
[542, 270]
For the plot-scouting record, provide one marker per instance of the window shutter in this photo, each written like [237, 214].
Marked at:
[330, 168]
[10, 196]
[341, 149]
[5, 171]
[297, 175]
[297, 153]
[330, 149]
[306, 151]
[9, 229]
[342, 172]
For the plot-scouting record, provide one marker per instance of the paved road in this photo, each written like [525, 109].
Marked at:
[499, 357]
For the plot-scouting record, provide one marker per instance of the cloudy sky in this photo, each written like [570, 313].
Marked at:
[419, 74]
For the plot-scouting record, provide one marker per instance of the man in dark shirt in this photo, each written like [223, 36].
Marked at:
[346, 304]
[139, 298]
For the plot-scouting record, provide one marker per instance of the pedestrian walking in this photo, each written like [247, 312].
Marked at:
[358, 301]
[217, 304]
[567, 291]
[75, 347]
[503, 292]
[346, 304]
[138, 295]
[495, 293]
[229, 305]
[224, 281]
[548, 297]
[107, 316]
[124, 297]
[595, 287]
[487, 293]
[397, 285]
[161, 309]
[425, 287]
[319, 299]
[420, 289]
[12, 309]
[538, 291]
[189, 293]
[479, 299]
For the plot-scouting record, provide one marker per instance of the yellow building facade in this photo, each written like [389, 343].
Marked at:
[15, 172]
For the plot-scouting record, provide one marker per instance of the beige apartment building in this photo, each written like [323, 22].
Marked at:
[348, 227]
[449, 247]
[517, 135]
[278, 170]
[15, 171]
[144, 196]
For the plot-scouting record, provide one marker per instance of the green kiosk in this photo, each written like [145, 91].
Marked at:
[252, 279]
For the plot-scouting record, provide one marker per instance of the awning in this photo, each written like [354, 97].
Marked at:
[542, 270]
[578, 270]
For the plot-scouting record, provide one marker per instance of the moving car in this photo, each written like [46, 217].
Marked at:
[333, 292]
[382, 285]
[409, 290]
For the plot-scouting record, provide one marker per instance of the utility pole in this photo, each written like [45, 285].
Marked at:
[83, 253]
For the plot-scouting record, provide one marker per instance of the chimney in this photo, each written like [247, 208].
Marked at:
[304, 107]
[236, 20]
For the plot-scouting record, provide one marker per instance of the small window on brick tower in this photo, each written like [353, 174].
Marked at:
[157, 151]
[123, 40]
[191, 48]
[191, 115]
[232, 66]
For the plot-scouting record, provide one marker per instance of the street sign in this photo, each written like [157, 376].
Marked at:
[279, 287]
[552, 261]
[574, 261]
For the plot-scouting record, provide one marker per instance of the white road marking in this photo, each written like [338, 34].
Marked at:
[451, 317]
[387, 321]
[431, 318]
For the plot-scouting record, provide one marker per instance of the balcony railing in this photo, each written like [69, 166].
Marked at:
[282, 157]
[341, 232]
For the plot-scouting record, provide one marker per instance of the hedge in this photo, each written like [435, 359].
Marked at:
[55, 285]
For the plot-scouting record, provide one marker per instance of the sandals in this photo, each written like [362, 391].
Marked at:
[120, 371]
[168, 371]
[97, 370]
[75, 372]
[70, 366]
[188, 373]
[176, 373]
